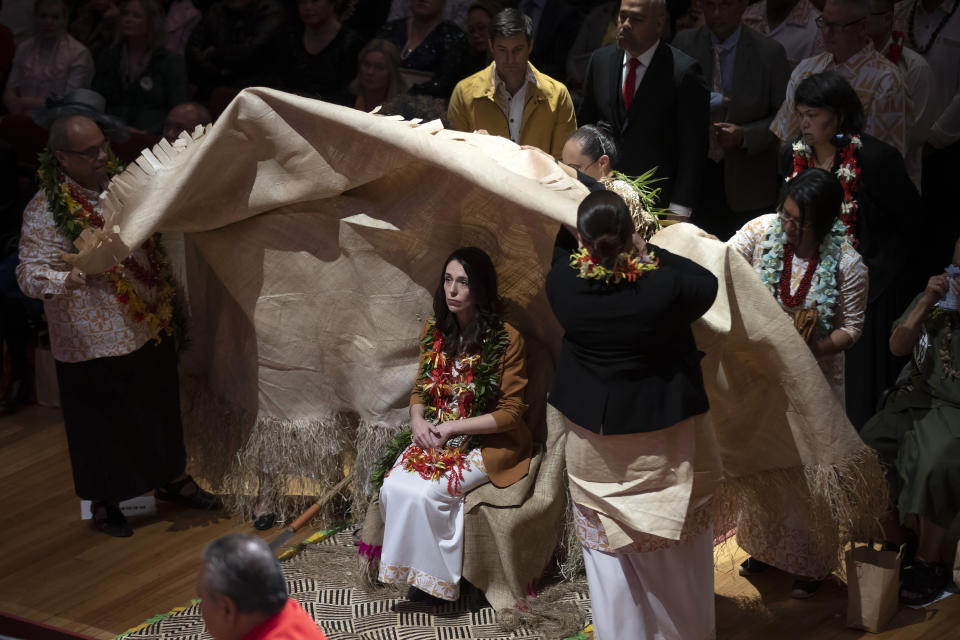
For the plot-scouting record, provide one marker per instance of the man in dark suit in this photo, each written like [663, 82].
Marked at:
[654, 96]
[748, 75]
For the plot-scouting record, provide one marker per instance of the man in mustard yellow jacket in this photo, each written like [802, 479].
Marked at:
[510, 98]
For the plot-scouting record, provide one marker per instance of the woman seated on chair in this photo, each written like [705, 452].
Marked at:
[917, 433]
[466, 427]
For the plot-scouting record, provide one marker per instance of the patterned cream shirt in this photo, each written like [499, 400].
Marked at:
[876, 80]
[798, 33]
[84, 323]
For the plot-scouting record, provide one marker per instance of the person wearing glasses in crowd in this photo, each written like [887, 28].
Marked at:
[803, 256]
[850, 52]
[111, 337]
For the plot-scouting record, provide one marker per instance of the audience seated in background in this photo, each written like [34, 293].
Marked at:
[432, 50]
[455, 11]
[850, 53]
[378, 75]
[182, 17]
[511, 98]
[321, 53]
[243, 594]
[140, 79]
[236, 45]
[185, 117]
[478, 33]
[50, 62]
[916, 434]
[96, 24]
[427, 108]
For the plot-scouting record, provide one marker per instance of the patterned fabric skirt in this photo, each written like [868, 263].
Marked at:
[423, 528]
[801, 540]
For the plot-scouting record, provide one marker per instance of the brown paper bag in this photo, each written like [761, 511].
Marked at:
[873, 582]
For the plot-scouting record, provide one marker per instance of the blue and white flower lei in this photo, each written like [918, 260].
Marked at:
[825, 291]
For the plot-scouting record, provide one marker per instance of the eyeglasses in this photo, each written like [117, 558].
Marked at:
[582, 169]
[784, 218]
[91, 153]
[836, 26]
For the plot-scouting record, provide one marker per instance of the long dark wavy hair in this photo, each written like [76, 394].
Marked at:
[482, 280]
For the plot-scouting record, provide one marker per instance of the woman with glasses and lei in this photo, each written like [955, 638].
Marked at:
[881, 214]
[804, 256]
[592, 150]
[466, 429]
[630, 388]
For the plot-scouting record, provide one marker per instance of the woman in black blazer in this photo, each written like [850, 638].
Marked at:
[629, 385]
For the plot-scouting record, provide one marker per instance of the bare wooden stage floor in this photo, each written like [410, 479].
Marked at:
[55, 569]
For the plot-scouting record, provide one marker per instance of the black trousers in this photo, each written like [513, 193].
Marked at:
[122, 416]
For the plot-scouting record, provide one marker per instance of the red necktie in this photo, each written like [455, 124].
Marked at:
[630, 86]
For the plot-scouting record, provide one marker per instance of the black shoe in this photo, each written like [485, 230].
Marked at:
[472, 597]
[804, 588]
[110, 520]
[752, 566]
[416, 595]
[923, 582]
[264, 522]
[199, 499]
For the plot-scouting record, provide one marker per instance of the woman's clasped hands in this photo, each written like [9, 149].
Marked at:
[426, 435]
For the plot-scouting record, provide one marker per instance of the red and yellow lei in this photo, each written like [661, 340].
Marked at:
[73, 214]
[453, 388]
[848, 172]
[627, 268]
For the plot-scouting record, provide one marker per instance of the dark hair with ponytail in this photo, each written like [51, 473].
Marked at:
[605, 226]
[482, 281]
[597, 140]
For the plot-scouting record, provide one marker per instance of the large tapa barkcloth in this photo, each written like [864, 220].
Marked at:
[314, 236]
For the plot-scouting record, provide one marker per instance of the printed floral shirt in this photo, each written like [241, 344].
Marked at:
[798, 33]
[84, 323]
[877, 81]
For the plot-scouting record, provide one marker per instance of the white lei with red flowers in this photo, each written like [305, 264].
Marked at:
[848, 172]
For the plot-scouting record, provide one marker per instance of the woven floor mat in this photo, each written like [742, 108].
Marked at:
[322, 579]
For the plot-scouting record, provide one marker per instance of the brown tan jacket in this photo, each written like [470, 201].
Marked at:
[548, 116]
[506, 453]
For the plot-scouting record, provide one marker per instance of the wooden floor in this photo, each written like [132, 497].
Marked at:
[55, 569]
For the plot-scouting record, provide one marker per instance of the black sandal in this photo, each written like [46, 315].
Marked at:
[923, 582]
[110, 520]
[199, 499]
